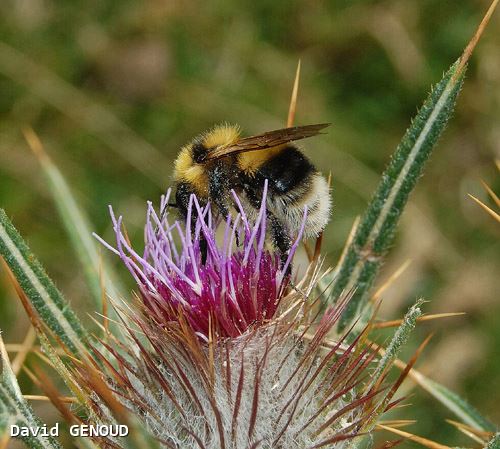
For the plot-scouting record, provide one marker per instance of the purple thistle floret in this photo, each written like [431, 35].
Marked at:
[238, 287]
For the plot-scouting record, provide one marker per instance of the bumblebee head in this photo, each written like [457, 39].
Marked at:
[189, 163]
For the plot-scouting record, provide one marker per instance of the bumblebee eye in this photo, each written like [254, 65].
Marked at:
[199, 153]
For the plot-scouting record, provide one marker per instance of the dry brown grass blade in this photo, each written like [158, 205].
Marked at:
[293, 100]
[392, 278]
[475, 39]
[395, 323]
[26, 347]
[423, 441]
[491, 193]
[486, 208]
[34, 143]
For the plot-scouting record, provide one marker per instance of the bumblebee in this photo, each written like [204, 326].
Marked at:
[221, 160]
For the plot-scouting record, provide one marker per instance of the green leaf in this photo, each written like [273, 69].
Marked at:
[453, 402]
[21, 414]
[15, 410]
[374, 235]
[77, 227]
[43, 295]
[7, 376]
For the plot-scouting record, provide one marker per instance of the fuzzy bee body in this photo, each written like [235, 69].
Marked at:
[220, 160]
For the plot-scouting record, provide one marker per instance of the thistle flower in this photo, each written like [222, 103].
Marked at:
[232, 291]
[223, 354]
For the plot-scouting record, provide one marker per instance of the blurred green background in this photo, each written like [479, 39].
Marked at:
[114, 88]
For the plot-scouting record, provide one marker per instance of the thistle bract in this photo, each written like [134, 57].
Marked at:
[221, 353]
[238, 286]
[280, 385]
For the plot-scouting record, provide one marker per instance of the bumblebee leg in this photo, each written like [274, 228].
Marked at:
[281, 239]
[203, 249]
[182, 195]
[219, 189]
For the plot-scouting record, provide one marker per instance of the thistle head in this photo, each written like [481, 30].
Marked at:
[212, 359]
[239, 286]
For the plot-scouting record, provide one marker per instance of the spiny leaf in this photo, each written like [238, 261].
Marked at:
[44, 296]
[76, 225]
[7, 376]
[15, 410]
[374, 235]
[375, 232]
[21, 414]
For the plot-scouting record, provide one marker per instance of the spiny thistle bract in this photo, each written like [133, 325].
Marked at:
[227, 354]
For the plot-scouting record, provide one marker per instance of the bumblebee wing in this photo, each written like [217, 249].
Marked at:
[267, 140]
